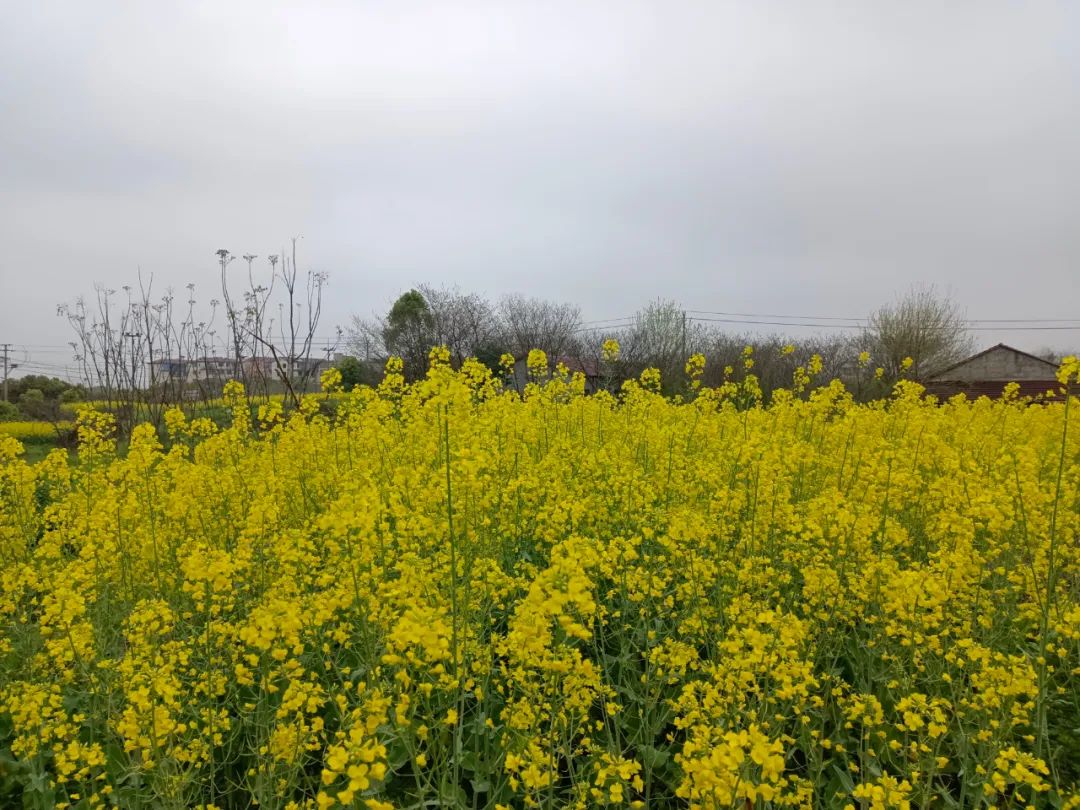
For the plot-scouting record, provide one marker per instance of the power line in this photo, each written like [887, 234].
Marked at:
[1022, 320]
[854, 324]
[865, 319]
[49, 369]
[43, 346]
[772, 315]
[781, 323]
[608, 320]
[40, 364]
[864, 326]
[602, 328]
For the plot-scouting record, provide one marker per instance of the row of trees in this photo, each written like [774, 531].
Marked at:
[139, 351]
[468, 325]
[923, 325]
[38, 397]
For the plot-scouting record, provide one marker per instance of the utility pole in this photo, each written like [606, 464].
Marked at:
[8, 366]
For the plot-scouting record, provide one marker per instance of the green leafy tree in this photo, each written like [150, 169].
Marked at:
[409, 332]
[355, 372]
[490, 354]
[33, 403]
[50, 387]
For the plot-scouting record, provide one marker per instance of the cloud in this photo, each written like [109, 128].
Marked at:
[804, 158]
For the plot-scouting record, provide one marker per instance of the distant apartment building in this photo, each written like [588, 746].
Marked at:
[218, 370]
[191, 370]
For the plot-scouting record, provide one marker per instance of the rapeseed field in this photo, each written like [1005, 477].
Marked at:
[33, 432]
[447, 594]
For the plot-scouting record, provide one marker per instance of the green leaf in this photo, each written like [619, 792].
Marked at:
[397, 754]
[653, 757]
[845, 778]
[452, 796]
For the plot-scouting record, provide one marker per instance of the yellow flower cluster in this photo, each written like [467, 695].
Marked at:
[610, 350]
[330, 380]
[448, 593]
[537, 363]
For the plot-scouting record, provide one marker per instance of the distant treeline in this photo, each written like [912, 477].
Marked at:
[913, 336]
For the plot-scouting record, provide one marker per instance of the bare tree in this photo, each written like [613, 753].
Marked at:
[663, 337]
[1054, 355]
[534, 323]
[107, 348]
[140, 353]
[232, 317]
[463, 322]
[365, 340]
[468, 325]
[924, 325]
[128, 350]
[775, 357]
[290, 346]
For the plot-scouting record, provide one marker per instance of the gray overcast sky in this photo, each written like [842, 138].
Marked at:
[809, 158]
